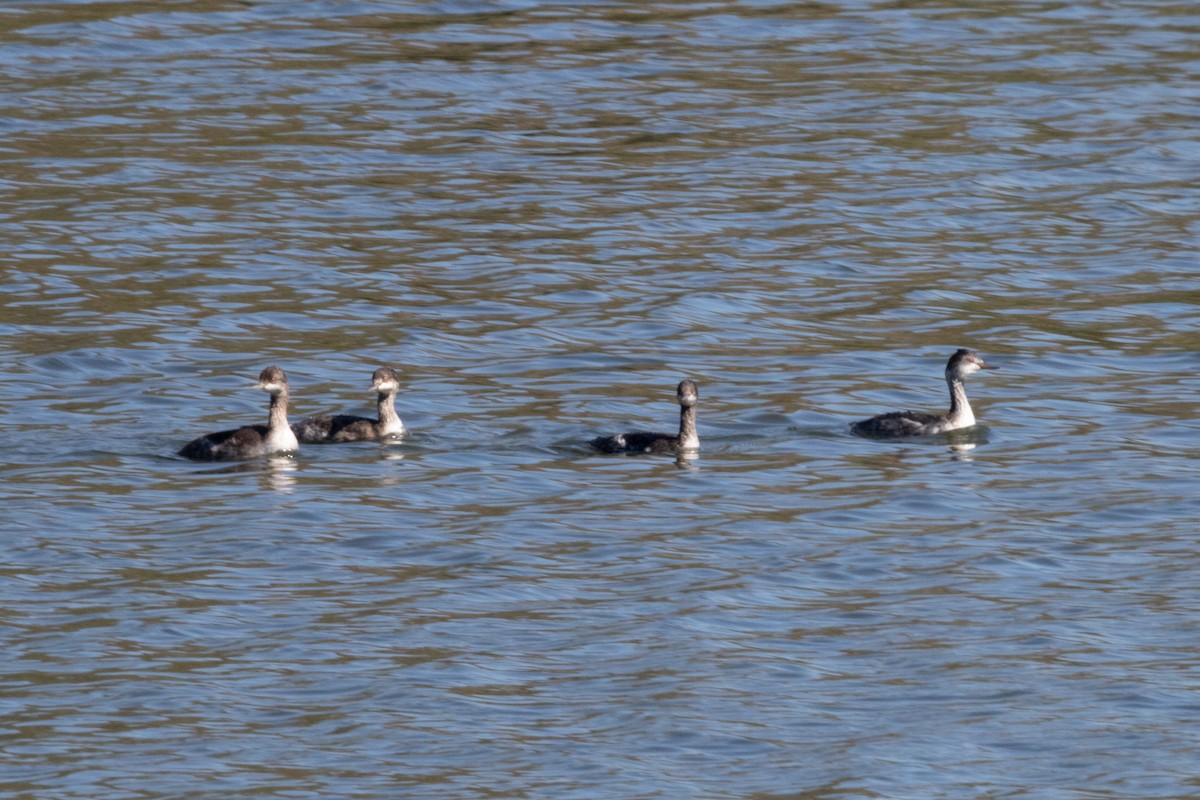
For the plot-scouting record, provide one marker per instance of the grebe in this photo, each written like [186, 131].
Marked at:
[331, 428]
[964, 362]
[251, 441]
[646, 442]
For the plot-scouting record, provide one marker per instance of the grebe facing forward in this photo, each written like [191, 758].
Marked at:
[251, 441]
[646, 442]
[332, 428]
[917, 423]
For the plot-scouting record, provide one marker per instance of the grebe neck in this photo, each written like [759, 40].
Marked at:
[688, 438]
[279, 404]
[389, 420]
[961, 415]
[280, 437]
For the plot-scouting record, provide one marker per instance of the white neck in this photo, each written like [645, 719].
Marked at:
[961, 415]
[389, 420]
[279, 434]
[688, 438]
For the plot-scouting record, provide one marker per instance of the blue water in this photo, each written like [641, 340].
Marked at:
[544, 216]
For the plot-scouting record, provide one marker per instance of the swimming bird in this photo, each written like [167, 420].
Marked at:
[251, 441]
[333, 428]
[646, 442]
[895, 424]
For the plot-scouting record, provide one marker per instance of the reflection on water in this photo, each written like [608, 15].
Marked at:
[544, 214]
[962, 452]
[279, 473]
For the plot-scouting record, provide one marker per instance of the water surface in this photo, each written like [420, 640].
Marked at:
[545, 216]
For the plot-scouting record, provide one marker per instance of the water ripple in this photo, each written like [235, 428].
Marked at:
[545, 216]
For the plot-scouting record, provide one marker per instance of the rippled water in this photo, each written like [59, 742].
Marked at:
[544, 216]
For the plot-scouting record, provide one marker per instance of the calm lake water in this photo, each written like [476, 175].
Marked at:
[544, 216]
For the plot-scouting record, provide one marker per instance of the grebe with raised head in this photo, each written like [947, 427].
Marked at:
[646, 442]
[333, 428]
[895, 424]
[251, 441]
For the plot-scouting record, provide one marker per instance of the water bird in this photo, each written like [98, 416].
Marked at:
[895, 424]
[251, 441]
[333, 428]
[646, 442]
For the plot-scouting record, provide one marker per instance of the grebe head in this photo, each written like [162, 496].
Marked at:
[687, 393]
[385, 380]
[965, 362]
[273, 381]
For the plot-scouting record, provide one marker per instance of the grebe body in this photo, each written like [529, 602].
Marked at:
[647, 442]
[897, 424]
[251, 441]
[335, 428]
